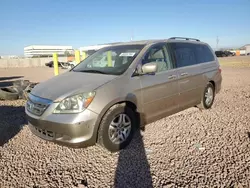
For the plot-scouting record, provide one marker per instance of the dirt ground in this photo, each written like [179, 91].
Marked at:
[189, 149]
[236, 61]
[34, 74]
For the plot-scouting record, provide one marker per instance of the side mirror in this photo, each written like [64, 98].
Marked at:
[149, 68]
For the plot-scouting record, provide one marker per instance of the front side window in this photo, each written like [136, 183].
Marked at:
[110, 60]
[159, 55]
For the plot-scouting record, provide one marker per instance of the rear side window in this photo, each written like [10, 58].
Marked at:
[187, 54]
[184, 54]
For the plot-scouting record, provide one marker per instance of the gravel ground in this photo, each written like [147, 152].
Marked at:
[189, 149]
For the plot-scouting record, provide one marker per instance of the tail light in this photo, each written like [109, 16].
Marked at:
[219, 70]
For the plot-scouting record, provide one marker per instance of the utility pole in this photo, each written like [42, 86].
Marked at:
[132, 36]
[217, 43]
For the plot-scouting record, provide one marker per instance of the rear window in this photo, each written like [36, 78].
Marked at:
[187, 54]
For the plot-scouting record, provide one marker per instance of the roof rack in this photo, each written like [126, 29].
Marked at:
[184, 38]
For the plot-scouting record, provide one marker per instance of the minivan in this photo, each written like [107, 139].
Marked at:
[142, 81]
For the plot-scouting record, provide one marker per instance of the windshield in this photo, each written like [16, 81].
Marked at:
[110, 60]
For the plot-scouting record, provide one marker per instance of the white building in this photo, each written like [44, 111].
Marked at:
[94, 47]
[43, 50]
[90, 49]
[246, 48]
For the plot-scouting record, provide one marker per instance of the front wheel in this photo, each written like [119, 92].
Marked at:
[207, 97]
[117, 128]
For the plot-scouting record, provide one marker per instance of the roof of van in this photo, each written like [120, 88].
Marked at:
[151, 41]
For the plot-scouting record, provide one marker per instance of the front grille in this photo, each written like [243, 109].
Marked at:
[36, 109]
[37, 105]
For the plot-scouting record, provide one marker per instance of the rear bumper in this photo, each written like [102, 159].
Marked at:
[218, 82]
[72, 130]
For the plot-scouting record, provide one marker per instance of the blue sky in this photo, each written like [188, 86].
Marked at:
[82, 22]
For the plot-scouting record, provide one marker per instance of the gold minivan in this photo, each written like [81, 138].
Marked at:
[139, 82]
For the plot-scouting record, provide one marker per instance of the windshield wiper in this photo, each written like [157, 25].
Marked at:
[93, 71]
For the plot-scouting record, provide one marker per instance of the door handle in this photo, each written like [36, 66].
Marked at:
[184, 74]
[172, 77]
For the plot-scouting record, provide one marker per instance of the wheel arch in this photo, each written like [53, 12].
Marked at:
[212, 82]
[129, 102]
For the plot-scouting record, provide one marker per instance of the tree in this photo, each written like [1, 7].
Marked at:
[66, 53]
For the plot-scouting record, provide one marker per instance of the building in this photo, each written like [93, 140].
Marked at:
[246, 48]
[47, 51]
[91, 49]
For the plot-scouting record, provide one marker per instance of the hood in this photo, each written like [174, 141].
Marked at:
[70, 83]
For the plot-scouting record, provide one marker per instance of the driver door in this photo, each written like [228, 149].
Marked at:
[159, 91]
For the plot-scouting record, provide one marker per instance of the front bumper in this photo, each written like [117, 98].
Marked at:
[72, 130]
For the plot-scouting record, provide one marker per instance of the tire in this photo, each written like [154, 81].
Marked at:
[204, 105]
[104, 130]
[8, 93]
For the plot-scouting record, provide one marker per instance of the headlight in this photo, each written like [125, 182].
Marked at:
[75, 104]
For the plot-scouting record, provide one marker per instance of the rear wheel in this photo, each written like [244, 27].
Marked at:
[117, 127]
[207, 97]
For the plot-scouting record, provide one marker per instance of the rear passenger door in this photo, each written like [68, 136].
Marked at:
[190, 80]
